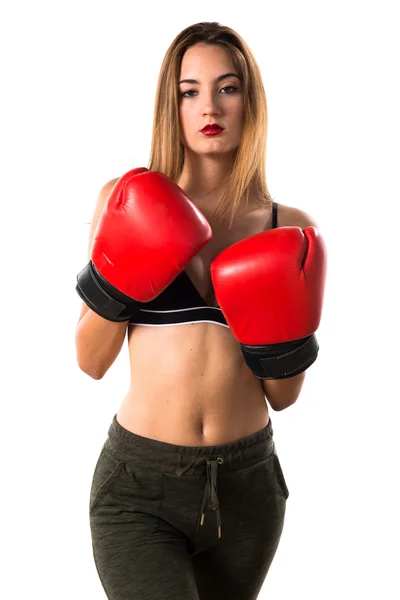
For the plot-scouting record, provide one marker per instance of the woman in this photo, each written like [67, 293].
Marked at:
[195, 413]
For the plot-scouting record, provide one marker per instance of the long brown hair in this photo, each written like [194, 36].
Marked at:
[247, 179]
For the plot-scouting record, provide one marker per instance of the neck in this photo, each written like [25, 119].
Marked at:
[203, 177]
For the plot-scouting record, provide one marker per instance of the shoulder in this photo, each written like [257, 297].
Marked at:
[107, 187]
[102, 198]
[290, 216]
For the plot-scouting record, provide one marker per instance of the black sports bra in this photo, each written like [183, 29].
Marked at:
[180, 303]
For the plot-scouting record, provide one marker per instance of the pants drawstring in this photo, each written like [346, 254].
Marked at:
[210, 489]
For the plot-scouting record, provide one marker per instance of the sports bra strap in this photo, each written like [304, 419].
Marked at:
[274, 215]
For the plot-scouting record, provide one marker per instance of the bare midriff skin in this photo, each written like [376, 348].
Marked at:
[189, 383]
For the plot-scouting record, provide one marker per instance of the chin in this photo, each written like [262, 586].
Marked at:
[214, 146]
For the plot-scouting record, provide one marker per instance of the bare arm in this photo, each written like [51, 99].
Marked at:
[282, 393]
[98, 341]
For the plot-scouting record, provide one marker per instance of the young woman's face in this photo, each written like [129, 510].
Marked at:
[210, 100]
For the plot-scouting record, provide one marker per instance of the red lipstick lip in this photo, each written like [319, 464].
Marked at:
[212, 128]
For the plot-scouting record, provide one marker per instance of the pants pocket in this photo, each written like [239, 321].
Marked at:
[280, 476]
[106, 473]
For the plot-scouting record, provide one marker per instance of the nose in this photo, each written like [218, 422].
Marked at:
[211, 105]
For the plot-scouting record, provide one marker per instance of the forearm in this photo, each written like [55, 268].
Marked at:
[98, 343]
[282, 393]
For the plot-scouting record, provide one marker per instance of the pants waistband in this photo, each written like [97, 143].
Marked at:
[167, 457]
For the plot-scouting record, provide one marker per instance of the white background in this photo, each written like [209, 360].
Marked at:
[78, 86]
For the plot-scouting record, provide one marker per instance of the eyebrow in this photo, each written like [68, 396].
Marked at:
[215, 80]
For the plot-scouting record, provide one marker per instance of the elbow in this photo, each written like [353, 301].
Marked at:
[96, 376]
[87, 364]
[93, 374]
[281, 404]
[89, 370]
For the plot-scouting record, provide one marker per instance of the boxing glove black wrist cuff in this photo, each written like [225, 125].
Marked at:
[280, 361]
[102, 297]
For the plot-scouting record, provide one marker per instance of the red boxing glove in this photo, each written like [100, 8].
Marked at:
[270, 288]
[147, 232]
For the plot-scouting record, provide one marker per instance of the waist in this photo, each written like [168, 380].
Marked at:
[165, 457]
[197, 418]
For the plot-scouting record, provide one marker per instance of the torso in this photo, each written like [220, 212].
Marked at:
[189, 383]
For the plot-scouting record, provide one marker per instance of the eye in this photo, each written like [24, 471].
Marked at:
[194, 91]
[231, 87]
[187, 92]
